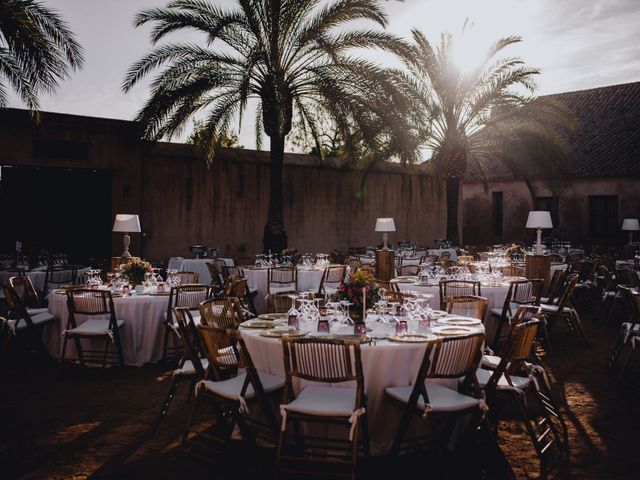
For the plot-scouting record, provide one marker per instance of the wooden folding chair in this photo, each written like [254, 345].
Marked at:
[221, 312]
[444, 358]
[471, 306]
[24, 321]
[513, 377]
[322, 360]
[404, 270]
[521, 292]
[331, 279]
[564, 309]
[184, 295]
[192, 367]
[233, 387]
[57, 275]
[92, 303]
[457, 288]
[280, 279]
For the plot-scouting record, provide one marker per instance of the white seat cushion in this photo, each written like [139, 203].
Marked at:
[324, 401]
[93, 327]
[490, 361]
[188, 368]
[518, 382]
[284, 288]
[194, 313]
[441, 399]
[253, 291]
[549, 307]
[36, 311]
[39, 319]
[546, 300]
[232, 387]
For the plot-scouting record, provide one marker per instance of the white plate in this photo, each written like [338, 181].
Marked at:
[453, 330]
[458, 321]
[278, 333]
[413, 338]
[257, 323]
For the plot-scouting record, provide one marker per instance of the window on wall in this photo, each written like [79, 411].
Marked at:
[496, 202]
[551, 205]
[603, 216]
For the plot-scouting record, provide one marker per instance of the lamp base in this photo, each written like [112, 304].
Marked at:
[385, 241]
[539, 241]
[126, 240]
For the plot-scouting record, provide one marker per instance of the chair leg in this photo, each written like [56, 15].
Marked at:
[625, 362]
[116, 337]
[77, 341]
[165, 405]
[364, 422]
[403, 427]
[279, 452]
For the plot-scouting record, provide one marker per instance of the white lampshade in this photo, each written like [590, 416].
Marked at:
[385, 225]
[539, 219]
[630, 224]
[126, 222]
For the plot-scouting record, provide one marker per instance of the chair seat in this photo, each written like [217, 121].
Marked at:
[231, 388]
[490, 361]
[93, 327]
[496, 312]
[324, 402]
[253, 291]
[188, 368]
[39, 319]
[194, 313]
[518, 382]
[441, 399]
[630, 327]
[36, 311]
[548, 308]
[289, 287]
[545, 300]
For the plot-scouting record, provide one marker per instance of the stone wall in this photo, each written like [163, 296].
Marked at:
[181, 202]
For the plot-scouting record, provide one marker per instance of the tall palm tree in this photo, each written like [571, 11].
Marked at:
[37, 50]
[293, 57]
[486, 115]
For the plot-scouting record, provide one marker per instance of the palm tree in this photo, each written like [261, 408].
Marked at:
[486, 115]
[292, 57]
[37, 50]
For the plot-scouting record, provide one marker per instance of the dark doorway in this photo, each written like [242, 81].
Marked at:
[56, 210]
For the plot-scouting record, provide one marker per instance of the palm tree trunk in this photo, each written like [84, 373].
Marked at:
[453, 193]
[275, 236]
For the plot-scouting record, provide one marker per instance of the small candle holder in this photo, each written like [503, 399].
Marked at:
[323, 326]
[360, 329]
[293, 321]
[401, 328]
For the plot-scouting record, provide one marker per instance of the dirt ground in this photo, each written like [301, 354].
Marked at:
[94, 423]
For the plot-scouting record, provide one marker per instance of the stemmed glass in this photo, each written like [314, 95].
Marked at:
[346, 320]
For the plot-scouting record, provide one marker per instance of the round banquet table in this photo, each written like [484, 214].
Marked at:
[257, 279]
[384, 364]
[141, 335]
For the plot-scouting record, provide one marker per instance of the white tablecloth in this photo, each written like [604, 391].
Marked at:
[196, 265]
[257, 278]
[141, 335]
[385, 364]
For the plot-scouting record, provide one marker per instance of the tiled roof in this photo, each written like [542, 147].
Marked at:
[606, 140]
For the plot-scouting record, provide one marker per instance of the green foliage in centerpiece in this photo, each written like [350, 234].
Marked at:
[351, 290]
[135, 270]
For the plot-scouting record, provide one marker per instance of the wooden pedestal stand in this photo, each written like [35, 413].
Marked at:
[385, 264]
[538, 267]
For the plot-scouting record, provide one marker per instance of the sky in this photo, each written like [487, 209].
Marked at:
[577, 44]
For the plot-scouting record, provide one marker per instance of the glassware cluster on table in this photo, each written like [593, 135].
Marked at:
[308, 261]
[385, 318]
[118, 283]
[485, 273]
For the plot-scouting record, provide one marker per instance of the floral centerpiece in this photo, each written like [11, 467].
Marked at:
[135, 269]
[358, 285]
[293, 254]
[515, 252]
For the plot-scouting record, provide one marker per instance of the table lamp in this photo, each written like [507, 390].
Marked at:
[385, 225]
[539, 219]
[126, 222]
[630, 225]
